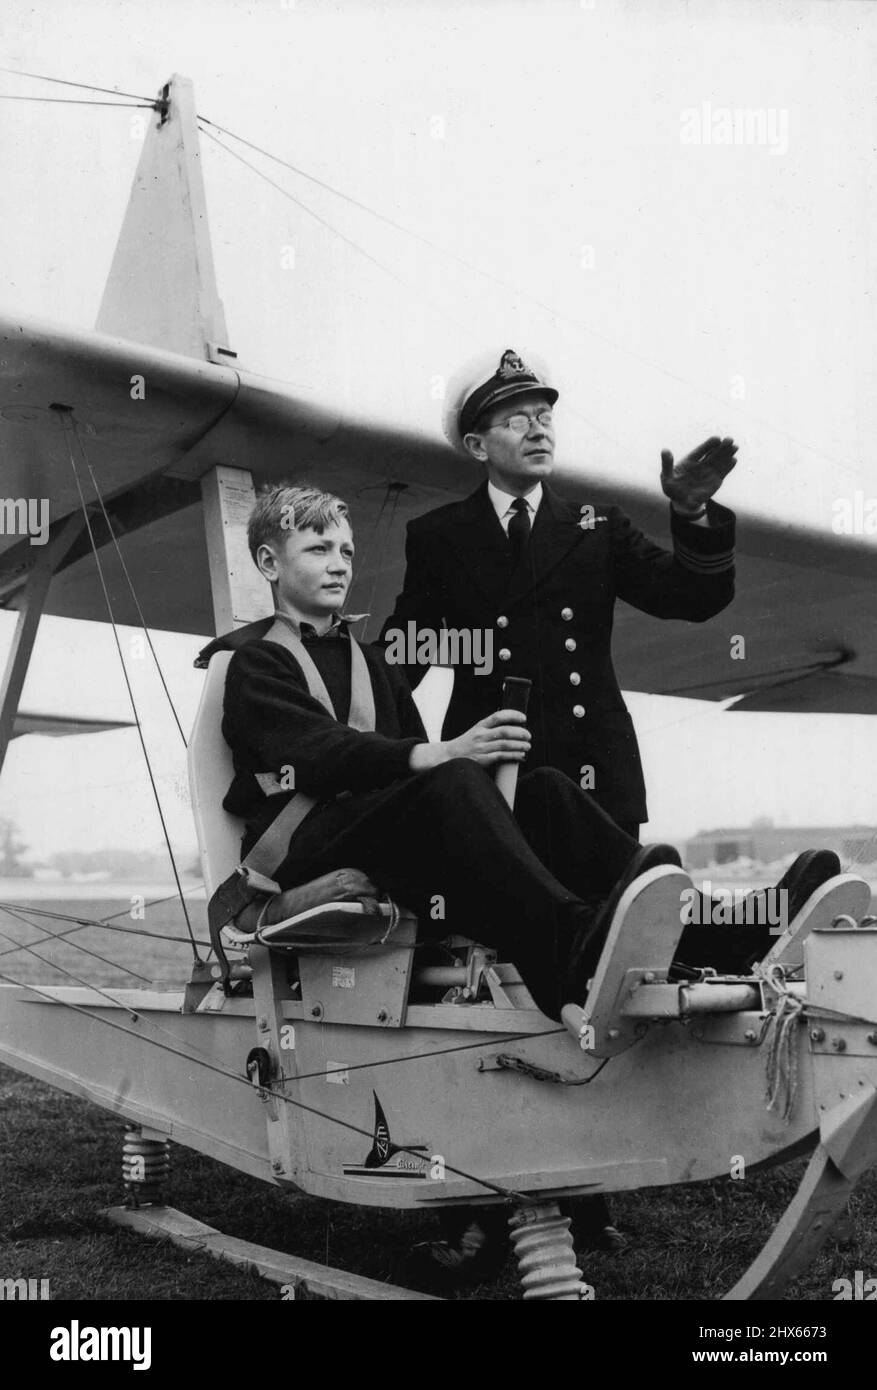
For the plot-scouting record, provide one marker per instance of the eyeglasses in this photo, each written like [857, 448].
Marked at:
[520, 424]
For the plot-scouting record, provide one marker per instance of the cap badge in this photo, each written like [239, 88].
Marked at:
[510, 364]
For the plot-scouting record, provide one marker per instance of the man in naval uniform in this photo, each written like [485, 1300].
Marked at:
[543, 575]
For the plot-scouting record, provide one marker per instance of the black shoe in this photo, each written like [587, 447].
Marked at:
[475, 1256]
[588, 944]
[607, 1238]
[801, 880]
[591, 1225]
[734, 950]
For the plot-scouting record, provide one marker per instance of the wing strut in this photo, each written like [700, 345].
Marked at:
[30, 607]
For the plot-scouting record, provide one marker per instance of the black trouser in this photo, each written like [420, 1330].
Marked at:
[523, 884]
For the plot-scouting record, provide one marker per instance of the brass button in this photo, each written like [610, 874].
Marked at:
[504, 654]
[566, 614]
[502, 621]
[570, 644]
[575, 678]
[578, 711]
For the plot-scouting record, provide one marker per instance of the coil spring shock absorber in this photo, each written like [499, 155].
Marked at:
[145, 1166]
[544, 1251]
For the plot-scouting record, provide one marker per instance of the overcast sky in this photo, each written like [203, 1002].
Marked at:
[544, 145]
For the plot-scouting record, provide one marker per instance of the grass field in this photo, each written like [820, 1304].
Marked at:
[60, 1165]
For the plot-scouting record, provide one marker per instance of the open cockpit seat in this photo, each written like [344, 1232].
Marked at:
[349, 925]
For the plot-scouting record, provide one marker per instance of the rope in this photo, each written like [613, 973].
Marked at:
[782, 1053]
[506, 1062]
[71, 434]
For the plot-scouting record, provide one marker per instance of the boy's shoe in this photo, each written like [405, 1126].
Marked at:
[587, 946]
[800, 881]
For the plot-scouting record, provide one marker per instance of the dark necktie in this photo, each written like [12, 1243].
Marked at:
[519, 531]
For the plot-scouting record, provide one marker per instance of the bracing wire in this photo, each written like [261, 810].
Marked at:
[555, 313]
[82, 101]
[389, 532]
[507, 1192]
[85, 86]
[558, 314]
[133, 591]
[72, 437]
[82, 923]
[348, 241]
[49, 937]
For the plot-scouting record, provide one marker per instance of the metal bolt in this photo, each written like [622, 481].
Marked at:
[277, 1166]
[262, 1025]
[838, 974]
[316, 1011]
[613, 1033]
[649, 976]
[839, 1044]
[382, 1015]
[750, 1035]
[872, 1039]
[817, 1035]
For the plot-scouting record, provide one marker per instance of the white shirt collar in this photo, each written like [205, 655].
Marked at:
[502, 501]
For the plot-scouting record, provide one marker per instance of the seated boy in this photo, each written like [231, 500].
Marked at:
[425, 818]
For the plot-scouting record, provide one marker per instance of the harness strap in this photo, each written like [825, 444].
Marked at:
[362, 700]
[256, 872]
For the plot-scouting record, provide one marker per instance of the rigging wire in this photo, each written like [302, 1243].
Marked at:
[465, 328]
[363, 559]
[555, 313]
[85, 86]
[72, 436]
[194, 1054]
[84, 926]
[62, 970]
[77, 945]
[507, 1192]
[81, 101]
[389, 531]
[130, 583]
[558, 314]
[105, 922]
[436, 1052]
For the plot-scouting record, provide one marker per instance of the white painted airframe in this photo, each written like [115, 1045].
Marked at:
[343, 1067]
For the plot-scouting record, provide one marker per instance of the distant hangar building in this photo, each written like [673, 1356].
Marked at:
[766, 843]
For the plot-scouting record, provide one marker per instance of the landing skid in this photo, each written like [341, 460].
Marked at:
[847, 1150]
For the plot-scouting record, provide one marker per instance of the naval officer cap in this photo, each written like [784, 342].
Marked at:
[487, 381]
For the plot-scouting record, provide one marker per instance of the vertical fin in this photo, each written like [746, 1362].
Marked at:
[161, 288]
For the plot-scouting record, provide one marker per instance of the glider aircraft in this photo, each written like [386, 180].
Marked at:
[338, 1065]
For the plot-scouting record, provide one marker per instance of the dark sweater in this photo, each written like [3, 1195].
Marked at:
[272, 723]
